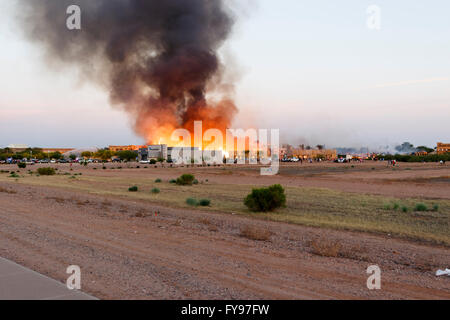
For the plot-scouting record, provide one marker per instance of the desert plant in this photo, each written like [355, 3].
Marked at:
[435, 208]
[255, 233]
[325, 248]
[156, 191]
[204, 202]
[46, 171]
[173, 181]
[421, 207]
[192, 202]
[266, 199]
[195, 181]
[22, 165]
[133, 189]
[185, 180]
[405, 209]
[158, 180]
[14, 175]
[153, 161]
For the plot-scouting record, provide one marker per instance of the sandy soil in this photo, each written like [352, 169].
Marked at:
[134, 250]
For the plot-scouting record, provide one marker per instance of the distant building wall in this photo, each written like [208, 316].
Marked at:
[442, 148]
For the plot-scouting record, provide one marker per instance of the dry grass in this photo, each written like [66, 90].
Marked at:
[306, 206]
[142, 214]
[255, 233]
[3, 190]
[326, 248]
[57, 199]
[204, 221]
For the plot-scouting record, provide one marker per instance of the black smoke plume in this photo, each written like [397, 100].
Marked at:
[157, 58]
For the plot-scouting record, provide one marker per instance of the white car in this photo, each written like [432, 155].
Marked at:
[53, 161]
[144, 162]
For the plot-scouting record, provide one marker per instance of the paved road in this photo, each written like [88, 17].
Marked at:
[20, 283]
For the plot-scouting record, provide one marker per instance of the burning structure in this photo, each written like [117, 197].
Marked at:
[158, 59]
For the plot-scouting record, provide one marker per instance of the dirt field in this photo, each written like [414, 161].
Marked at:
[340, 219]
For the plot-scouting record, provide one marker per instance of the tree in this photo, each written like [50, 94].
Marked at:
[320, 147]
[72, 157]
[425, 148]
[86, 154]
[127, 155]
[56, 155]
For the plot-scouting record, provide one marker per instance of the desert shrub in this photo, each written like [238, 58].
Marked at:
[22, 165]
[421, 207]
[191, 202]
[133, 189]
[185, 180]
[152, 161]
[204, 202]
[173, 181]
[325, 248]
[156, 191]
[266, 199]
[396, 206]
[46, 171]
[104, 168]
[158, 180]
[405, 209]
[14, 175]
[255, 233]
[435, 207]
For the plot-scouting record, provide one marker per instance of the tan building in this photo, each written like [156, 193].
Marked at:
[60, 150]
[442, 148]
[126, 148]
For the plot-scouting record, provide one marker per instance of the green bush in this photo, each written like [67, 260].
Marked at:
[266, 199]
[158, 180]
[435, 207]
[156, 190]
[173, 181]
[191, 202]
[22, 165]
[133, 189]
[405, 209]
[421, 207]
[185, 180]
[14, 175]
[204, 202]
[195, 181]
[152, 161]
[46, 171]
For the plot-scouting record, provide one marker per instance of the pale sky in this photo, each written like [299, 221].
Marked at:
[313, 69]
